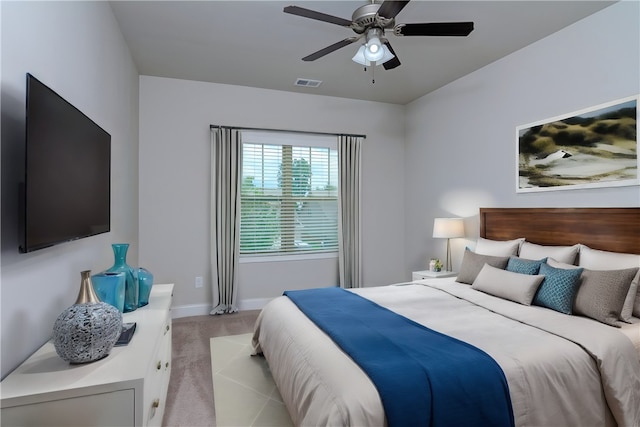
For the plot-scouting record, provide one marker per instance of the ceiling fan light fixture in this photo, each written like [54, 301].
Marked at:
[387, 54]
[360, 58]
[373, 50]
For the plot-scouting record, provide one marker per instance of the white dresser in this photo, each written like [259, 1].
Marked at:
[127, 388]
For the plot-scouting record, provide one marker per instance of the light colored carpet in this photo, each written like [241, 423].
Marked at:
[244, 393]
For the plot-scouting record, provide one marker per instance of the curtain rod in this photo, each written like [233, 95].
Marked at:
[286, 131]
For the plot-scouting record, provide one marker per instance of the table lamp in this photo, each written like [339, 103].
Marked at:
[448, 228]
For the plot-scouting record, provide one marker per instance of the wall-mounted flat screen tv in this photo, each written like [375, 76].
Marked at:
[67, 184]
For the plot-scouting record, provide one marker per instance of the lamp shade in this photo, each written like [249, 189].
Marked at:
[448, 228]
[361, 58]
[387, 54]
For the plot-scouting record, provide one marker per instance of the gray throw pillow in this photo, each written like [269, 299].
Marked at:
[472, 263]
[594, 259]
[517, 287]
[602, 293]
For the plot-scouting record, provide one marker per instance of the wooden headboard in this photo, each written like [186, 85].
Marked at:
[607, 229]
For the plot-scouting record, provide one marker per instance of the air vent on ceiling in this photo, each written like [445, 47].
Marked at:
[308, 82]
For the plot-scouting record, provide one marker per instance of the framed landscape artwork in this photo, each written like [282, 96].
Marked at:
[595, 147]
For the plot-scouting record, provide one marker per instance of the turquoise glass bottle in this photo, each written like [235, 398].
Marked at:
[131, 281]
[145, 282]
[110, 287]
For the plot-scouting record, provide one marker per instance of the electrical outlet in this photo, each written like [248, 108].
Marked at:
[199, 281]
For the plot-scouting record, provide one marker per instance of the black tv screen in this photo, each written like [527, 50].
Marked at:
[67, 184]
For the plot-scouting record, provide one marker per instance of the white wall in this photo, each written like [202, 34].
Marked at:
[460, 139]
[174, 182]
[75, 48]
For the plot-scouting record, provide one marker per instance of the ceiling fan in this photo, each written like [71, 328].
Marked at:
[370, 22]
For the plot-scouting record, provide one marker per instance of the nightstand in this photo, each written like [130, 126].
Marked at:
[426, 274]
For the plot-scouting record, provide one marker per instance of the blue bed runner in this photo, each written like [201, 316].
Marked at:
[424, 378]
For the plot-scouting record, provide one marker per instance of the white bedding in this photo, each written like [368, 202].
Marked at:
[633, 333]
[552, 380]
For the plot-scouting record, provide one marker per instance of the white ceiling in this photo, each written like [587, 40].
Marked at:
[254, 43]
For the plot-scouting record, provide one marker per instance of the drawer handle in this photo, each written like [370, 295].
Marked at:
[155, 403]
[159, 365]
[166, 365]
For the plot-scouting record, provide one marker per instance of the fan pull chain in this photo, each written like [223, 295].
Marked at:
[373, 79]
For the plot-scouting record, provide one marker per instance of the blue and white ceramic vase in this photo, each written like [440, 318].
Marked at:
[88, 330]
[131, 281]
[145, 282]
[110, 287]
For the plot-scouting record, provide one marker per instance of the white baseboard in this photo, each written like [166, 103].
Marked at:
[253, 304]
[190, 310]
[204, 309]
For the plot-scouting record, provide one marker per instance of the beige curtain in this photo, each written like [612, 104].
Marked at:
[349, 211]
[226, 154]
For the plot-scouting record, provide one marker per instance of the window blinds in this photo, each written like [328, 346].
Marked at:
[289, 194]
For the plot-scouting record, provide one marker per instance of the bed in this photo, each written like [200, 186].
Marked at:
[561, 370]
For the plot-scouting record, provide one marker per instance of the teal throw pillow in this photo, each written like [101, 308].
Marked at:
[558, 289]
[524, 266]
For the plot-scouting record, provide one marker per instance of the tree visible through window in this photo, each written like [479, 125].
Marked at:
[289, 196]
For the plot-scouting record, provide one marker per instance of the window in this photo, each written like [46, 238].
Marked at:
[289, 194]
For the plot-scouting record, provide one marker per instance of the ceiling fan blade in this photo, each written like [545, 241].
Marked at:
[434, 29]
[390, 8]
[312, 14]
[329, 49]
[393, 62]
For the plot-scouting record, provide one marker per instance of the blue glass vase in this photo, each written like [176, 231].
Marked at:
[110, 287]
[131, 280]
[145, 282]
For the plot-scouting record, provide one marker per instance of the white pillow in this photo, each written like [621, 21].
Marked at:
[498, 247]
[566, 254]
[594, 259]
[505, 284]
[555, 264]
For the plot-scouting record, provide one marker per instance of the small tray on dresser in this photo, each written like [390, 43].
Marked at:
[127, 333]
